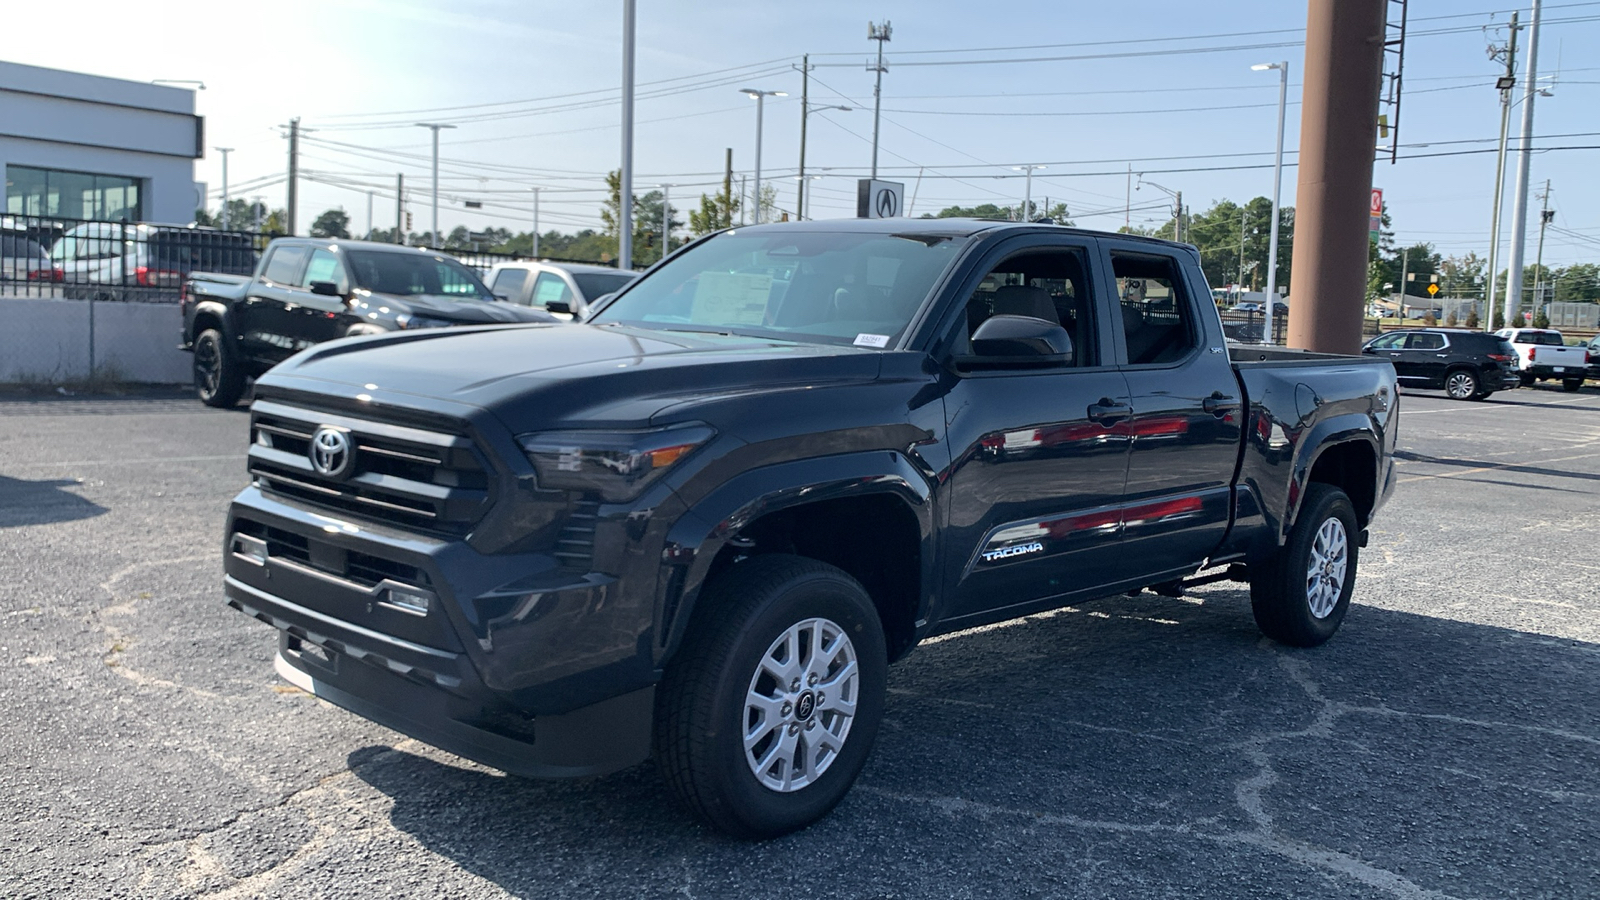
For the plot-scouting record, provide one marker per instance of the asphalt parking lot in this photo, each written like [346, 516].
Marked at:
[1445, 744]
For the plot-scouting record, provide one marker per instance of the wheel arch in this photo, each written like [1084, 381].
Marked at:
[1348, 462]
[869, 514]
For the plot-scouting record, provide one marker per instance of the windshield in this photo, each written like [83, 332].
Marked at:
[408, 274]
[831, 288]
[595, 285]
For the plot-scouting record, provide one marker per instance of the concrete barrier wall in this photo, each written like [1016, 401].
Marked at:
[49, 341]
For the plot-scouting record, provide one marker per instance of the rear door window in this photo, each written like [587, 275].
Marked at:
[1426, 341]
[283, 265]
[1157, 319]
[508, 283]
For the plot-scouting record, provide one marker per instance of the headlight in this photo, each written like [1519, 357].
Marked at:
[617, 465]
[411, 322]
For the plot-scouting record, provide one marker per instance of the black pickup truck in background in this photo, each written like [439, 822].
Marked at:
[704, 522]
[309, 290]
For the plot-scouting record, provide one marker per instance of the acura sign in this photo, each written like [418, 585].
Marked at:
[879, 199]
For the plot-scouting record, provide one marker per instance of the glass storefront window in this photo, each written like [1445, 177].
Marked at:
[32, 191]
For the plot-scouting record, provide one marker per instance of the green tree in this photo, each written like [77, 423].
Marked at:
[1236, 241]
[715, 213]
[648, 247]
[333, 223]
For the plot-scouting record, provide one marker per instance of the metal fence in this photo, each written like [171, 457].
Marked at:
[80, 259]
[1248, 326]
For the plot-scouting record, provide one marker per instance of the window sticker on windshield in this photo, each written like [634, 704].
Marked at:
[731, 298]
[872, 340]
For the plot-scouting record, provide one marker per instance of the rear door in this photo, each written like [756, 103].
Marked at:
[262, 317]
[1425, 359]
[1187, 422]
[1038, 455]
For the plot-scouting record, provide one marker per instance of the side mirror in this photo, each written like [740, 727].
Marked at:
[1021, 339]
[325, 289]
[502, 295]
[559, 306]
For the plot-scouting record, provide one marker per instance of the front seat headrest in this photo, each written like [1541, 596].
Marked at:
[1025, 300]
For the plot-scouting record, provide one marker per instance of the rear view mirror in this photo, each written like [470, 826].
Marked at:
[1022, 339]
[325, 289]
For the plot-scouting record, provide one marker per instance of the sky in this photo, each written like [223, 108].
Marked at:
[1087, 89]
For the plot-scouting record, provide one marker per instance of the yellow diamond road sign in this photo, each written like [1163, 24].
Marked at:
[1433, 289]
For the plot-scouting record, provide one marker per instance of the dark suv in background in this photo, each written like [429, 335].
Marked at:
[1465, 364]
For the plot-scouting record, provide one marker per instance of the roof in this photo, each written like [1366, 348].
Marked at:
[347, 244]
[579, 268]
[951, 227]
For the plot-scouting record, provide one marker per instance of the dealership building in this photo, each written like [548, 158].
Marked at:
[77, 146]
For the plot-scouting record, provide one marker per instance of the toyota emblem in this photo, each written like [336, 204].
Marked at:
[331, 453]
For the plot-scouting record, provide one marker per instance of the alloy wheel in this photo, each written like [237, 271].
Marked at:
[800, 705]
[1330, 555]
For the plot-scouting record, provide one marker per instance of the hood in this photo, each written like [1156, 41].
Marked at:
[555, 373]
[457, 309]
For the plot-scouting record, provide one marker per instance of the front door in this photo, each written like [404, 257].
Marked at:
[1187, 422]
[1038, 455]
[318, 317]
[261, 318]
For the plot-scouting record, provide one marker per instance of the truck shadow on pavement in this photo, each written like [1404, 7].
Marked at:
[1135, 746]
[42, 502]
[1513, 469]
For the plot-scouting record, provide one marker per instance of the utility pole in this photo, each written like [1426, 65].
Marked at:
[227, 218]
[727, 188]
[1545, 215]
[1127, 208]
[1244, 216]
[1277, 190]
[1027, 194]
[1519, 200]
[535, 223]
[369, 215]
[434, 126]
[294, 167]
[743, 196]
[805, 108]
[879, 33]
[625, 204]
[1177, 221]
[1405, 262]
[666, 219]
[1504, 84]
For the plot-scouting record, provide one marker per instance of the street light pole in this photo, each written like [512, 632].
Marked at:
[1519, 197]
[435, 126]
[1277, 189]
[760, 97]
[666, 219]
[1027, 193]
[535, 222]
[879, 33]
[625, 197]
[227, 219]
[805, 115]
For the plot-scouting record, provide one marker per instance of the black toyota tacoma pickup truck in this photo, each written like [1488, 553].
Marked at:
[309, 290]
[703, 523]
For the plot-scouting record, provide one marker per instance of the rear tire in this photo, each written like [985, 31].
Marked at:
[750, 754]
[1526, 379]
[218, 376]
[1460, 384]
[1571, 384]
[1300, 596]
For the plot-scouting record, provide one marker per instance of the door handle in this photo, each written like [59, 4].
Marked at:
[1219, 405]
[1109, 412]
[1442, 355]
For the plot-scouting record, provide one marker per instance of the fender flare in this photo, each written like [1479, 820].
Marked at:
[1332, 432]
[705, 529]
[216, 308]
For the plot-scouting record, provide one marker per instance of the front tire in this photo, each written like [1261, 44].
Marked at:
[1300, 596]
[1461, 385]
[770, 709]
[218, 377]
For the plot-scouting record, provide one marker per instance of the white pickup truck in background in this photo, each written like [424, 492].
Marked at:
[1543, 353]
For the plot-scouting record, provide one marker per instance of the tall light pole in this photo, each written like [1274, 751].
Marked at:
[760, 97]
[1177, 198]
[625, 197]
[1519, 199]
[805, 113]
[1277, 188]
[434, 126]
[1027, 192]
[879, 33]
[805, 191]
[227, 218]
[535, 222]
[666, 219]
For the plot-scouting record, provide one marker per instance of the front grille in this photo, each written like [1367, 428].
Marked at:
[421, 479]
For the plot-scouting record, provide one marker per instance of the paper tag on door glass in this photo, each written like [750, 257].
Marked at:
[872, 340]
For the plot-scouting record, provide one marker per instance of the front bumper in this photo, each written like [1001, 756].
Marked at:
[536, 674]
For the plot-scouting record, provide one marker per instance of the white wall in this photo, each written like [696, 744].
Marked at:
[84, 123]
[49, 341]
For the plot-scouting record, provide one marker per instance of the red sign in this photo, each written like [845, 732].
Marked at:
[1377, 202]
